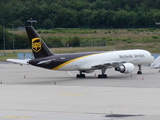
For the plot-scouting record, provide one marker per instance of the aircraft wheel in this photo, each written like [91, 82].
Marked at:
[139, 72]
[81, 76]
[102, 76]
[99, 76]
[78, 76]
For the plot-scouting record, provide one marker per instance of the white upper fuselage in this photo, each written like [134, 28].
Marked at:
[108, 59]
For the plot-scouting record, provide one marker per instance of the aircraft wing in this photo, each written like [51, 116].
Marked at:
[98, 65]
[18, 61]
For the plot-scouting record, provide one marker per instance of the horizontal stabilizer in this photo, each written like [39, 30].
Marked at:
[18, 61]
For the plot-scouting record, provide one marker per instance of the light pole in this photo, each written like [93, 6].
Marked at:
[4, 36]
[13, 36]
[32, 21]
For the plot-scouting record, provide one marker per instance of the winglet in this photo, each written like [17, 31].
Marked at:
[39, 48]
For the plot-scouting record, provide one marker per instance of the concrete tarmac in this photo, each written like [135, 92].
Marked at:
[33, 93]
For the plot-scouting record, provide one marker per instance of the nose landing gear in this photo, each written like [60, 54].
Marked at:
[139, 71]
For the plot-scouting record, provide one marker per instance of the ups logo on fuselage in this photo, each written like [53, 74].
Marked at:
[36, 44]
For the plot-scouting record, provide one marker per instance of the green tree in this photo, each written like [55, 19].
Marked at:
[83, 18]
[8, 38]
[48, 23]
[65, 18]
[21, 42]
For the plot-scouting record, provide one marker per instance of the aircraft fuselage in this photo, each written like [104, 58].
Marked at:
[85, 61]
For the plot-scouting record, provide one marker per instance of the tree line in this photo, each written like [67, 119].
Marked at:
[74, 14]
[81, 13]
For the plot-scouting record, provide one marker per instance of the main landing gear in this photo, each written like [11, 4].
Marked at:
[139, 71]
[80, 75]
[103, 70]
[103, 75]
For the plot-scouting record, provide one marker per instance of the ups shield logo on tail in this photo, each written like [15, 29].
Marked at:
[36, 44]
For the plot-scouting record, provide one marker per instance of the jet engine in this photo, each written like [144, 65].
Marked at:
[125, 68]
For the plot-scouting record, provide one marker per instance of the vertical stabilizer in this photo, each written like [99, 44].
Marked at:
[39, 48]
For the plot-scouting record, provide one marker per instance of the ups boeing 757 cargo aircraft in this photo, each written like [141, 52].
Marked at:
[122, 61]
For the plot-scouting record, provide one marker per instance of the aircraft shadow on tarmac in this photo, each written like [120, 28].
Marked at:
[55, 80]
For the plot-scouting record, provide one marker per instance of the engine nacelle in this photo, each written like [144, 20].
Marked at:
[88, 71]
[125, 68]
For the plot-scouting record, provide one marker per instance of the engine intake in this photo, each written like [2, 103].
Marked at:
[125, 68]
